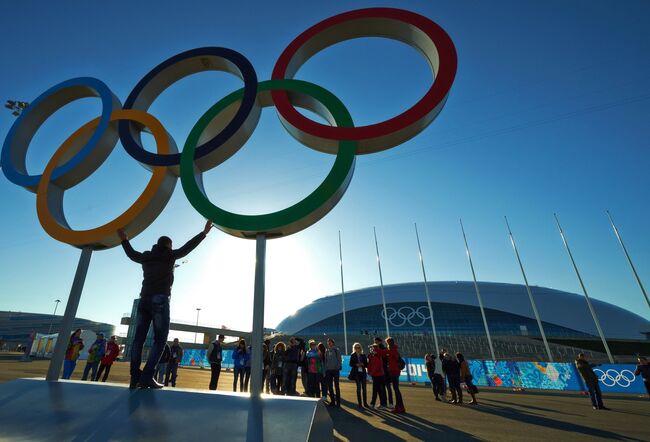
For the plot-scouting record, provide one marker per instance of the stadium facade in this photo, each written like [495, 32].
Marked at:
[17, 327]
[459, 324]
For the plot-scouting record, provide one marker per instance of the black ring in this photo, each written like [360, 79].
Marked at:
[153, 84]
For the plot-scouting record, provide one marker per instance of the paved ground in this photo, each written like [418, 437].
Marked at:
[502, 414]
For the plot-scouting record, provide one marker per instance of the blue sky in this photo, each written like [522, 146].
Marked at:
[548, 113]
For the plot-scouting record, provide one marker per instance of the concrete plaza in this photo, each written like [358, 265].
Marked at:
[501, 415]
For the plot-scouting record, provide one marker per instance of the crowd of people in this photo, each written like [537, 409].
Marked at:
[101, 356]
[456, 371]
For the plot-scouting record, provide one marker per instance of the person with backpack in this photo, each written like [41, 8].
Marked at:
[466, 376]
[112, 352]
[333, 365]
[95, 355]
[215, 356]
[376, 370]
[358, 373]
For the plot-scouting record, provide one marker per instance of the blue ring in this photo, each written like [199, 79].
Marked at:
[250, 92]
[18, 174]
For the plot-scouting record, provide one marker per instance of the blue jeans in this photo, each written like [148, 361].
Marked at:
[594, 394]
[154, 309]
[68, 368]
[239, 374]
[172, 372]
[159, 374]
[90, 366]
[332, 382]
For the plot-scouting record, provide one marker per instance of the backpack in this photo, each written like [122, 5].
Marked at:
[401, 364]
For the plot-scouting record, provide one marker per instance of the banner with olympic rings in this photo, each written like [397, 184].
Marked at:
[616, 378]
[224, 129]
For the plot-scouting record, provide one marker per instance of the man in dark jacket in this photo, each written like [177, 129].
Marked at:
[215, 356]
[175, 358]
[158, 270]
[292, 358]
[591, 381]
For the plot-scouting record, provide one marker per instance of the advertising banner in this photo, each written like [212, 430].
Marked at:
[618, 378]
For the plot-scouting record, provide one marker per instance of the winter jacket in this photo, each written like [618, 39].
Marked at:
[438, 366]
[464, 370]
[392, 354]
[266, 357]
[215, 353]
[451, 367]
[314, 361]
[358, 359]
[278, 362]
[240, 358]
[75, 345]
[96, 351]
[158, 265]
[644, 371]
[586, 371]
[293, 353]
[175, 354]
[333, 359]
[431, 367]
[112, 352]
[376, 365]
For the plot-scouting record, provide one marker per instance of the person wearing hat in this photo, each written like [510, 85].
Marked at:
[95, 354]
[112, 352]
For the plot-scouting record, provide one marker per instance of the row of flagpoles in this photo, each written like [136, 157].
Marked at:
[478, 292]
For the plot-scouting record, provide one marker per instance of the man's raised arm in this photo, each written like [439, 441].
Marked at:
[192, 243]
[126, 245]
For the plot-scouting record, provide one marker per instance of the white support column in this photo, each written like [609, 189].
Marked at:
[258, 316]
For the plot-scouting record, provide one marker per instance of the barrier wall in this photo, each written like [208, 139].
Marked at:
[616, 378]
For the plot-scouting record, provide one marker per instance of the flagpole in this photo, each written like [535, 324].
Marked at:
[629, 259]
[478, 292]
[530, 294]
[426, 290]
[584, 290]
[345, 324]
[381, 282]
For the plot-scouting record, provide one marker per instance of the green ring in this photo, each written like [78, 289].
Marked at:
[294, 218]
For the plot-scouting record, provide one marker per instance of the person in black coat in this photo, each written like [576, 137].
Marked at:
[451, 367]
[358, 372]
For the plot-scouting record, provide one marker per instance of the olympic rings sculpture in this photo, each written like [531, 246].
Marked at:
[403, 318]
[612, 377]
[224, 129]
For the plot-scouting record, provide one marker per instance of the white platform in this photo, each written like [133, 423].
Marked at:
[37, 410]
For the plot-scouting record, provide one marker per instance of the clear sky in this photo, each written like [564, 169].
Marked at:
[548, 113]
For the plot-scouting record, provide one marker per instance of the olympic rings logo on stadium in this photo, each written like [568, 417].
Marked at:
[224, 128]
[403, 315]
[612, 377]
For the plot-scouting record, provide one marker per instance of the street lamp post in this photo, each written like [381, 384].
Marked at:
[56, 305]
[197, 322]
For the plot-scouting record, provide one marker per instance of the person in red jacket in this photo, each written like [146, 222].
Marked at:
[376, 370]
[112, 352]
[392, 353]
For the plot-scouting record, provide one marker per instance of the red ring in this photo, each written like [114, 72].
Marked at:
[434, 96]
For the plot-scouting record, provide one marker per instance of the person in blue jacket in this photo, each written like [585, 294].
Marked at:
[240, 358]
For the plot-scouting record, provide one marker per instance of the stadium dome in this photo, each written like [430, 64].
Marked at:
[456, 312]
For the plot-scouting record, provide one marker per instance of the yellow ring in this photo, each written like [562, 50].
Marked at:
[49, 197]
